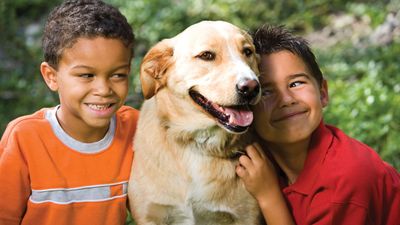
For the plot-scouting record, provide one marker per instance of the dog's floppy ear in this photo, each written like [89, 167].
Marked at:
[154, 67]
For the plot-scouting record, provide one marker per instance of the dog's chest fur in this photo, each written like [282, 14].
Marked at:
[193, 180]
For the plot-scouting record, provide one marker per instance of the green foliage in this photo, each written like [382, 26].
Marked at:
[154, 20]
[21, 87]
[129, 220]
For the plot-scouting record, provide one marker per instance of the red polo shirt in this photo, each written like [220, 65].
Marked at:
[344, 182]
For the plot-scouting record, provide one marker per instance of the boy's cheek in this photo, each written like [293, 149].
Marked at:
[262, 106]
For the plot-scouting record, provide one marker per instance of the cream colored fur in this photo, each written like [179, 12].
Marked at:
[184, 165]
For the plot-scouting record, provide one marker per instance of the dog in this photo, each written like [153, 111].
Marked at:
[193, 124]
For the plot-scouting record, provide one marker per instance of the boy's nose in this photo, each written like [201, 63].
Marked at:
[286, 98]
[103, 88]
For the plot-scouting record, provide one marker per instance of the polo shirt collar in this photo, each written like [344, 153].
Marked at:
[321, 140]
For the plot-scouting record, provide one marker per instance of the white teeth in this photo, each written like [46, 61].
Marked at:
[98, 107]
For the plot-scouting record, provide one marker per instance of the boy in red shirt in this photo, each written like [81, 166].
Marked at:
[326, 177]
[70, 164]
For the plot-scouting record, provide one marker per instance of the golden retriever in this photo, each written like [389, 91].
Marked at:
[198, 87]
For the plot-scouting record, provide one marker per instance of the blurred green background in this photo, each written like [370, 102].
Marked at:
[357, 44]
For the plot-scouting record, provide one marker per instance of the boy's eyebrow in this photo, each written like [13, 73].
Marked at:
[296, 75]
[290, 77]
[89, 67]
[82, 66]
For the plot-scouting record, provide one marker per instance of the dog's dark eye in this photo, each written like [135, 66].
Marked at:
[207, 56]
[247, 51]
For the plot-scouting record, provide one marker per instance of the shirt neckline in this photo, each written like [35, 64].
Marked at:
[88, 148]
[321, 140]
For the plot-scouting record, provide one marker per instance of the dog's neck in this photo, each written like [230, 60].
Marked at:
[213, 141]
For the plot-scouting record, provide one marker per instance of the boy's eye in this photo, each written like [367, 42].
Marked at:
[266, 91]
[119, 76]
[86, 75]
[296, 83]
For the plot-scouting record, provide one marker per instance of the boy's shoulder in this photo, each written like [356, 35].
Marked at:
[127, 117]
[127, 108]
[351, 150]
[128, 112]
[355, 162]
[27, 121]
[27, 124]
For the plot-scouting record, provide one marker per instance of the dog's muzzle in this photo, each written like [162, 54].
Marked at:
[234, 118]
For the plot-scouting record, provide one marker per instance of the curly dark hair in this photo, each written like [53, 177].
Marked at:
[269, 39]
[74, 19]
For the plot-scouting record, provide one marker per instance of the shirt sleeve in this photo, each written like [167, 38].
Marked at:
[383, 210]
[349, 214]
[379, 203]
[331, 213]
[14, 180]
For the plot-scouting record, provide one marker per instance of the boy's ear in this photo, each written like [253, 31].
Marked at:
[49, 75]
[324, 93]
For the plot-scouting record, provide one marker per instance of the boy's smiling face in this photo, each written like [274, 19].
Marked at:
[292, 101]
[92, 83]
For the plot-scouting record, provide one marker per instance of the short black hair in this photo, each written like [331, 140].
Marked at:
[74, 19]
[269, 39]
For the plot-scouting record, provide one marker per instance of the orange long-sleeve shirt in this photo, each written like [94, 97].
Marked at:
[47, 177]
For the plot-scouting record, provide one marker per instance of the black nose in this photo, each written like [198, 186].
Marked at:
[248, 88]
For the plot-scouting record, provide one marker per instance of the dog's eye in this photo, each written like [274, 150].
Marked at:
[207, 56]
[247, 51]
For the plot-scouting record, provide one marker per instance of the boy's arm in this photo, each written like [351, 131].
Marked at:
[14, 181]
[260, 179]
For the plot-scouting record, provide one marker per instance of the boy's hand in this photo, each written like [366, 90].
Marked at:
[257, 172]
[259, 177]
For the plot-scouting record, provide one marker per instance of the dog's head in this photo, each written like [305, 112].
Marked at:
[211, 64]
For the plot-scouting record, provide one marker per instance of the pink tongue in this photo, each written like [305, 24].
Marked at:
[239, 117]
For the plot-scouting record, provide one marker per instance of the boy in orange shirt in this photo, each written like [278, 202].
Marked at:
[326, 177]
[70, 164]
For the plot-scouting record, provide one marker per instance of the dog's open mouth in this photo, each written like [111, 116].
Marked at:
[234, 118]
